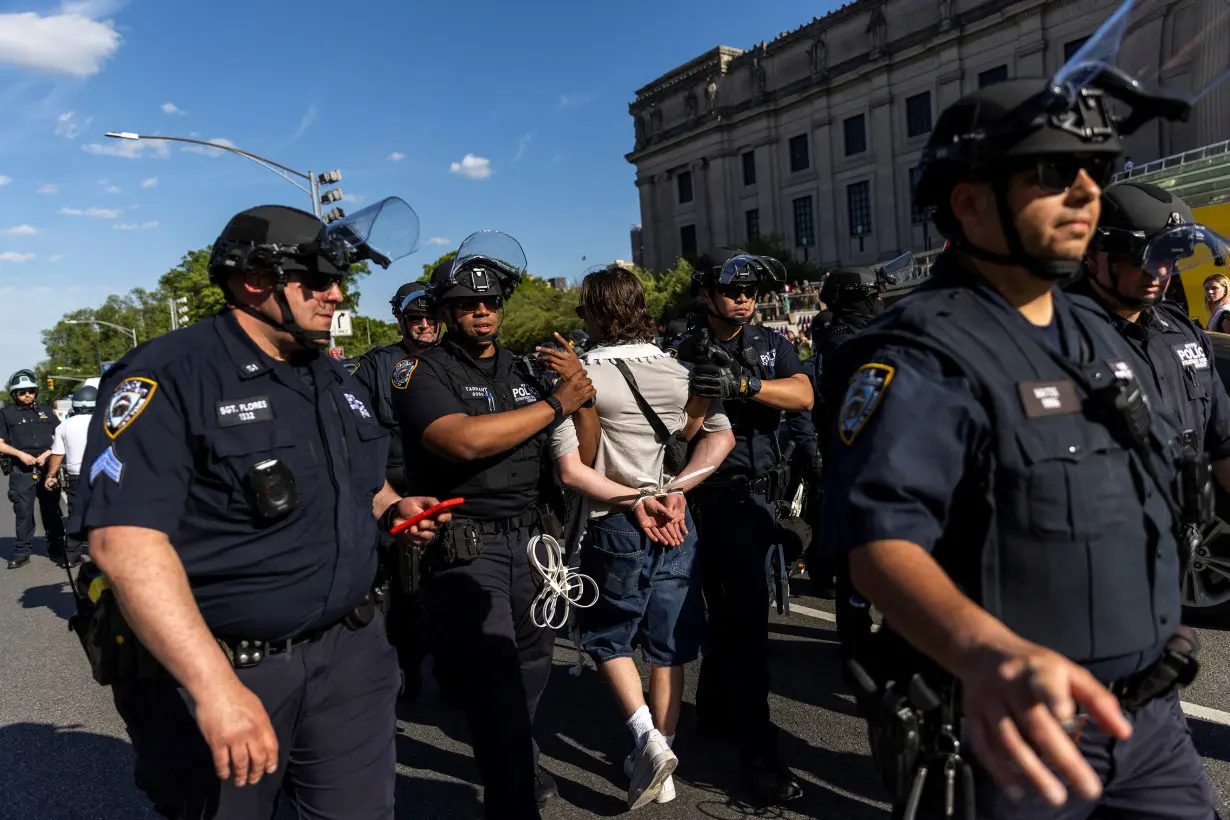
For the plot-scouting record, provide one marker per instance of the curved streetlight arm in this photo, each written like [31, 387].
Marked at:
[277, 168]
[101, 322]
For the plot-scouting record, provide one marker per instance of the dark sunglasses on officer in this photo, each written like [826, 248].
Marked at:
[413, 319]
[25, 391]
[735, 290]
[1057, 173]
[319, 281]
[470, 305]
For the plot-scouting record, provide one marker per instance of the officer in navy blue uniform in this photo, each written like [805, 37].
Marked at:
[26, 431]
[1145, 236]
[758, 375]
[1002, 479]
[475, 421]
[234, 479]
[374, 370]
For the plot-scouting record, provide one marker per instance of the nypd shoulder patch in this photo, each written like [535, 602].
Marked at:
[402, 371]
[127, 402]
[350, 367]
[108, 464]
[866, 388]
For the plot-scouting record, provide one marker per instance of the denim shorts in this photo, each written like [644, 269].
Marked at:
[649, 594]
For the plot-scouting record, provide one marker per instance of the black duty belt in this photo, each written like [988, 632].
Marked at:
[244, 653]
[1175, 669]
[760, 485]
[529, 518]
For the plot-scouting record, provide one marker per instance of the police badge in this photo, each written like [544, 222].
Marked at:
[402, 371]
[862, 397]
[129, 399]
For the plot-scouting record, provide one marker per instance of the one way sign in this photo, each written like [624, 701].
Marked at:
[341, 324]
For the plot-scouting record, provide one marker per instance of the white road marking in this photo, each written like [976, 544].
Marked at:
[1190, 709]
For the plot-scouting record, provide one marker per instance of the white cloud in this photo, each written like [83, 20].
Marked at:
[172, 108]
[573, 100]
[305, 123]
[48, 190]
[12, 256]
[113, 189]
[438, 240]
[354, 199]
[130, 226]
[209, 152]
[152, 182]
[471, 167]
[55, 257]
[21, 230]
[396, 156]
[128, 149]
[522, 144]
[68, 43]
[100, 213]
[4, 180]
[70, 126]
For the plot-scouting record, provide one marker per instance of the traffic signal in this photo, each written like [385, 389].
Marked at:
[51, 383]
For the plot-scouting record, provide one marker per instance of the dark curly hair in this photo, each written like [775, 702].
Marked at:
[613, 302]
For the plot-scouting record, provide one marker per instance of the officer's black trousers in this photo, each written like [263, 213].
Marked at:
[495, 662]
[331, 703]
[73, 547]
[733, 689]
[26, 494]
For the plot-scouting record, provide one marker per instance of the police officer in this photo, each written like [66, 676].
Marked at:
[475, 423]
[758, 375]
[375, 370]
[26, 432]
[1002, 482]
[235, 481]
[67, 451]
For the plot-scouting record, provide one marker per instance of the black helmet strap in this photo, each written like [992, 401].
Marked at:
[304, 338]
[1048, 270]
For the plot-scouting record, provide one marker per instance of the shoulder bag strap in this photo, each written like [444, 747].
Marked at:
[659, 428]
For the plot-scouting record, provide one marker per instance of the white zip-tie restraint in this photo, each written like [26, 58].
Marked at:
[561, 584]
[658, 491]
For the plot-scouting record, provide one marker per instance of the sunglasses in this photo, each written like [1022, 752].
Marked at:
[320, 281]
[492, 303]
[414, 320]
[749, 289]
[1057, 174]
[25, 391]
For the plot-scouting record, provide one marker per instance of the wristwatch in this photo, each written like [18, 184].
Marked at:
[556, 405]
[753, 386]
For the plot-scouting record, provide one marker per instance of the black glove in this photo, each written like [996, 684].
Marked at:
[722, 378]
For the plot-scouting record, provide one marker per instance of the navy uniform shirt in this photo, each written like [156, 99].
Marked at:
[376, 369]
[1181, 361]
[185, 419]
[755, 425]
[29, 428]
[445, 381]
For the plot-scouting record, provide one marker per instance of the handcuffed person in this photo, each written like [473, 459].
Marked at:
[640, 549]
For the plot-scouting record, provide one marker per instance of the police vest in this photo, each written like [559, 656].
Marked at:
[30, 429]
[1078, 551]
[754, 425]
[509, 387]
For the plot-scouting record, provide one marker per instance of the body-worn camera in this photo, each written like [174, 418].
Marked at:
[270, 486]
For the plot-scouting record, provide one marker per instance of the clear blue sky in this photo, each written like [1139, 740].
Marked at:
[391, 92]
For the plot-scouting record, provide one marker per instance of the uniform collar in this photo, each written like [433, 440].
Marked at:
[250, 361]
[502, 357]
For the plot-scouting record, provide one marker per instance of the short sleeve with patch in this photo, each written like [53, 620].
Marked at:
[426, 397]
[902, 433]
[138, 462]
[786, 362]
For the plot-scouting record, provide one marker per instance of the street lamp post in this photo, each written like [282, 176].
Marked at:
[96, 323]
[315, 182]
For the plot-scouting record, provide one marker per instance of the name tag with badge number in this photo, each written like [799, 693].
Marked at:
[244, 411]
[1048, 398]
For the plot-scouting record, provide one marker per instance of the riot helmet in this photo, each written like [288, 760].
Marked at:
[22, 380]
[488, 265]
[410, 306]
[411, 296]
[1054, 127]
[856, 289]
[742, 273]
[1148, 228]
[84, 400]
[284, 240]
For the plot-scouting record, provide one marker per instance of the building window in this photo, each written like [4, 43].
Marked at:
[918, 114]
[992, 76]
[856, 135]
[804, 225]
[687, 241]
[749, 168]
[685, 187]
[916, 213]
[800, 160]
[858, 204]
[752, 218]
[1071, 47]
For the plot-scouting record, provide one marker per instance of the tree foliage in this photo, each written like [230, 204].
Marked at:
[430, 267]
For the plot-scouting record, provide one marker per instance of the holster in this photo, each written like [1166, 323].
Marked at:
[112, 649]
[459, 542]
[1175, 669]
[6, 464]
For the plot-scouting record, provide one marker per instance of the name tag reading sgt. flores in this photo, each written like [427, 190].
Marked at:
[1048, 398]
[244, 411]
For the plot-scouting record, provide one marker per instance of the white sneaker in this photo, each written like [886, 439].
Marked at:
[666, 792]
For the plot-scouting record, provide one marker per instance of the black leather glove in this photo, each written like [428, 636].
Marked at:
[722, 378]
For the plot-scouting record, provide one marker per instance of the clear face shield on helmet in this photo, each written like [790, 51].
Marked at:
[1127, 59]
[768, 273]
[383, 232]
[489, 261]
[894, 273]
[1183, 249]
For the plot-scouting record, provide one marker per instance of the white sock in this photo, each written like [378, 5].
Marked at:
[670, 741]
[640, 724]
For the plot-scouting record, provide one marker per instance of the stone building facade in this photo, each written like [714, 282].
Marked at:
[813, 136]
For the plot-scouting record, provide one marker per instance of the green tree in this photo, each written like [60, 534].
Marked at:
[430, 267]
[368, 333]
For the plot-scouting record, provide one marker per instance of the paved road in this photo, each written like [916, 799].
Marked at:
[64, 754]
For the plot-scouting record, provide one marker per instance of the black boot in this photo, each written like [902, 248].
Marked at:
[770, 779]
[19, 561]
[545, 789]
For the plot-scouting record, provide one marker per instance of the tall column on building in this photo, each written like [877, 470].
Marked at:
[719, 201]
[705, 239]
[1211, 62]
[824, 210]
[884, 210]
[649, 222]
